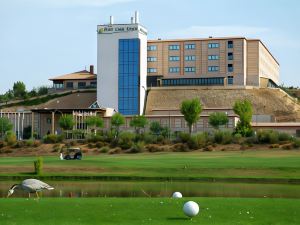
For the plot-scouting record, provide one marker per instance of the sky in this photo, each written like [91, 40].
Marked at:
[40, 39]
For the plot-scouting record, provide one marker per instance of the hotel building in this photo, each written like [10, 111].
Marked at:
[127, 63]
[211, 62]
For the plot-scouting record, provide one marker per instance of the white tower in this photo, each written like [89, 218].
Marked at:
[122, 66]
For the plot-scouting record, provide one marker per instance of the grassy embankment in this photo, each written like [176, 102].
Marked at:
[268, 164]
[139, 211]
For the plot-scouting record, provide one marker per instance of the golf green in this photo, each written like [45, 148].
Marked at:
[137, 211]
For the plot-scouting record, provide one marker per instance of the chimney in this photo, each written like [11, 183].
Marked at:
[111, 20]
[91, 69]
[137, 17]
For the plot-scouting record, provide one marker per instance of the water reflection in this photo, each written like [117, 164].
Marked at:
[160, 189]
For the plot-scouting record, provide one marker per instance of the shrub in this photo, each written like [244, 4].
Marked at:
[19, 144]
[184, 137]
[56, 148]
[73, 143]
[202, 139]
[296, 143]
[274, 146]
[10, 138]
[149, 138]
[154, 148]
[95, 138]
[137, 147]
[237, 138]
[267, 137]
[208, 148]
[36, 143]
[288, 146]
[38, 166]
[100, 144]
[284, 136]
[126, 140]
[116, 150]
[53, 138]
[91, 145]
[104, 149]
[2, 144]
[223, 137]
[180, 147]
[29, 142]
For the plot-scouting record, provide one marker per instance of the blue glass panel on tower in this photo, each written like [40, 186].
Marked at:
[128, 97]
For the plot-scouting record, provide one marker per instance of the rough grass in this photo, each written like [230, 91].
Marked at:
[248, 164]
[158, 211]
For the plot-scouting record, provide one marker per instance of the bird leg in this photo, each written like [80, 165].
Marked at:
[28, 194]
[37, 195]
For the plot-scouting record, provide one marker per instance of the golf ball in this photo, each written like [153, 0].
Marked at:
[191, 208]
[177, 195]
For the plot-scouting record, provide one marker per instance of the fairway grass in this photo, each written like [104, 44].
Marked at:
[156, 211]
[266, 164]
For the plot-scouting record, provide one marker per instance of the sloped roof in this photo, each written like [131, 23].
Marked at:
[76, 101]
[80, 75]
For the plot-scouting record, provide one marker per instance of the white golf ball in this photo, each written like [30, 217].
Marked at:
[191, 208]
[177, 195]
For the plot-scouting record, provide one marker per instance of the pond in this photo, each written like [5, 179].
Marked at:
[160, 189]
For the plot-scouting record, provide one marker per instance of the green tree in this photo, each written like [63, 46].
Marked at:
[19, 89]
[138, 122]
[191, 110]
[66, 122]
[218, 119]
[94, 122]
[155, 128]
[43, 90]
[5, 125]
[117, 120]
[243, 108]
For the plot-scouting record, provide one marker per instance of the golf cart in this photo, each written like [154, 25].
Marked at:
[73, 154]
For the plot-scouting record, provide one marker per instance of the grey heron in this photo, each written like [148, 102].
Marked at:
[30, 186]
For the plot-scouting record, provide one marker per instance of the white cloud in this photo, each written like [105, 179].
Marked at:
[216, 31]
[74, 3]
[271, 37]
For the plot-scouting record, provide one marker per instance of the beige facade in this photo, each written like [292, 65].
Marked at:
[243, 61]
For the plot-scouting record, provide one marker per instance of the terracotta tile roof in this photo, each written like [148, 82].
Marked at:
[80, 75]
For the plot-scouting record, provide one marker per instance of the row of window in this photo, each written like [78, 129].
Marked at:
[190, 46]
[191, 69]
[191, 58]
[193, 81]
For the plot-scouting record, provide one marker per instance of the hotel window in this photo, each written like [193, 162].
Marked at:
[174, 58]
[174, 69]
[173, 47]
[151, 70]
[93, 84]
[81, 84]
[213, 45]
[190, 46]
[230, 44]
[69, 84]
[230, 80]
[213, 57]
[230, 67]
[213, 68]
[190, 58]
[151, 59]
[189, 69]
[230, 56]
[128, 77]
[151, 47]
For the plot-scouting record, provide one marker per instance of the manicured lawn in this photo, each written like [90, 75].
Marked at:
[238, 164]
[156, 211]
